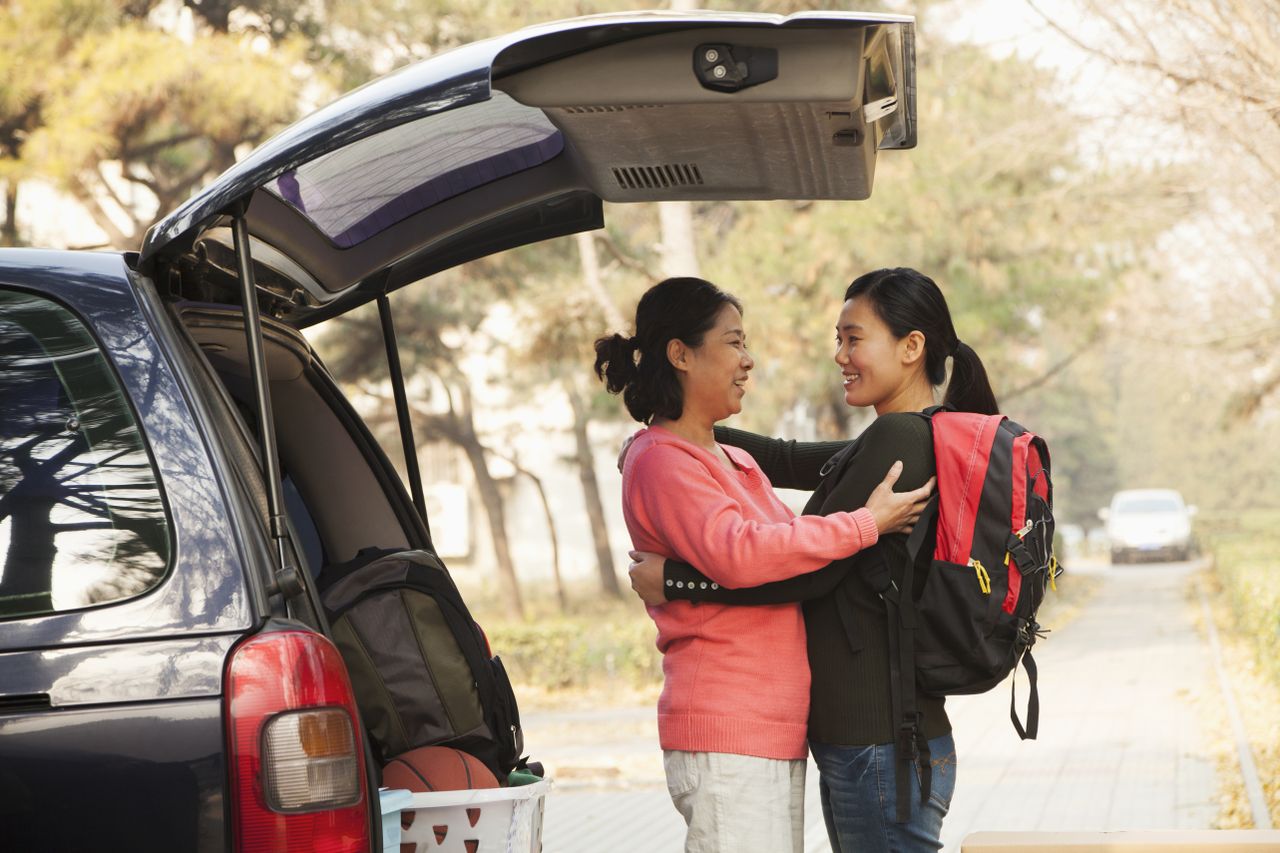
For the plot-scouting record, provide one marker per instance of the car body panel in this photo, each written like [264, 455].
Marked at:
[179, 668]
[142, 778]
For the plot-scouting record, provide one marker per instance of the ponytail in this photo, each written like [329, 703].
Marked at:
[969, 389]
[616, 361]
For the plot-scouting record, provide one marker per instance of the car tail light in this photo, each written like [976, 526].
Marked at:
[296, 758]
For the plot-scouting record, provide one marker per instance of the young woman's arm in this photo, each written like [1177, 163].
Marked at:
[896, 436]
[787, 464]
[682, 582]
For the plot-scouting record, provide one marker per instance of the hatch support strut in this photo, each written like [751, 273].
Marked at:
[402, 406]
[287, 580]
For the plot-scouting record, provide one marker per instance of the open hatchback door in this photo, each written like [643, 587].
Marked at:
[522, 137]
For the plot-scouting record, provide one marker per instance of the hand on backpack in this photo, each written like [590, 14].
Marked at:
[646, 577]
[897, 512]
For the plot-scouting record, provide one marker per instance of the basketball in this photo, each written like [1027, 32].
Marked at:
[437, 768]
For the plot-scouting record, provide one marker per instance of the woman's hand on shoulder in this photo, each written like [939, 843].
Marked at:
[897, 512]
[646, 572]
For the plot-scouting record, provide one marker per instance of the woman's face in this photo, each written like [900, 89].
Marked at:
[714, 374]
[874, 364]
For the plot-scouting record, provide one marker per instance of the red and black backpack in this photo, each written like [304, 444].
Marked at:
[975, 620]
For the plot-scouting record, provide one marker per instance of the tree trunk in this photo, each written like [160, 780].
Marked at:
[561, 596]
[9, 231]
[115, 236]
[491, 499]
[591, 495]
[679, 254]
[591, 278]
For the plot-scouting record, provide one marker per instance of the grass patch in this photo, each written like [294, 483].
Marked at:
[1244, 591]
[600, 652]
[1246, 558]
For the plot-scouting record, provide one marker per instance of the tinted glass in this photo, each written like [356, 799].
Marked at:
[82, 521]
[357, 191]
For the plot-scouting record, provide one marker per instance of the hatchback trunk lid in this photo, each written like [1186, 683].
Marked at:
[522, 137]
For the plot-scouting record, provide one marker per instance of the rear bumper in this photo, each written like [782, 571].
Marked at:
[1150, 553]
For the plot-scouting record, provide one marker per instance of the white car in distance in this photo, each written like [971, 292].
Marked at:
[1148, 524]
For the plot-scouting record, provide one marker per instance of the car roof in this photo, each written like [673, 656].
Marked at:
[522, 137]
[1137, 494]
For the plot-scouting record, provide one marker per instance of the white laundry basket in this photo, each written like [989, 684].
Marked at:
[489, 820]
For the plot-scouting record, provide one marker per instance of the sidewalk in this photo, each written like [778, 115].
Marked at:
[1119, 747]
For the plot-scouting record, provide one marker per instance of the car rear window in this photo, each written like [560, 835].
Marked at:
[82, 519]
[1150, 504]
[357, 191]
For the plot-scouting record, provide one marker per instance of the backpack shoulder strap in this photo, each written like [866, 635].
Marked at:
[910, 747]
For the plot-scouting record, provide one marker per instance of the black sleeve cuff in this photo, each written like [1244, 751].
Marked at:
[682, 582]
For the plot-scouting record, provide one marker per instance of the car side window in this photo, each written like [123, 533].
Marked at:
[82, 518]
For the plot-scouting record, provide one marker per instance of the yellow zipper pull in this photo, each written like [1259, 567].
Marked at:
[984, 579]
[1053, 573]
[1025, 529]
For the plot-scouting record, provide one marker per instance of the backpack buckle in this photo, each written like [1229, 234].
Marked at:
[1017, 549]
[890, 593]
[908, 738]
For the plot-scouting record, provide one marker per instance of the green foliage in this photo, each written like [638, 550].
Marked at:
[93, 82]
[132, 89]
[580, 652]
[1245, 546]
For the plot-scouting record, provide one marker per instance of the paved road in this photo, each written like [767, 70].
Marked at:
[1120, 744]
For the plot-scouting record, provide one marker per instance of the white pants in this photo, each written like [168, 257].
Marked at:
[737, 803]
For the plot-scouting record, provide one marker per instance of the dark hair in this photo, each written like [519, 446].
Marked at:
[907, 301]
[674, 309]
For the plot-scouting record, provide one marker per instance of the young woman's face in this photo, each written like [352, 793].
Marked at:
[873, 363]
[715, 373]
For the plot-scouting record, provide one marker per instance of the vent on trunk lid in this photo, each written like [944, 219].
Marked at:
[657, 177]
[610, 108]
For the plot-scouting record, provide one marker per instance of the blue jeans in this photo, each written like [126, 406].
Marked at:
[859, 798]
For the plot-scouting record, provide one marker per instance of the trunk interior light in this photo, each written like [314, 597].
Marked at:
[309, 761]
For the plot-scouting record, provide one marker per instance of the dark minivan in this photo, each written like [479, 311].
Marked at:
[176, 464]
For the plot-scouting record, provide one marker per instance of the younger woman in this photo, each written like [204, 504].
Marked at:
[893, 338]
[731, 719]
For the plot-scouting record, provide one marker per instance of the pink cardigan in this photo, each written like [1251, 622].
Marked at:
[737, 678]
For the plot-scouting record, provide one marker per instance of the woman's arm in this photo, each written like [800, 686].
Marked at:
[787, 464]
[681, 581]
[674, 496]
